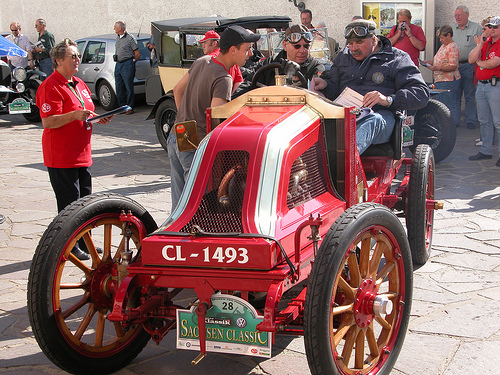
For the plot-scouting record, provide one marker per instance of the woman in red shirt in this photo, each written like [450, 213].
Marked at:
[65, 104]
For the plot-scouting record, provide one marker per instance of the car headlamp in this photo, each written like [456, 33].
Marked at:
[19, 74]
[20, 87]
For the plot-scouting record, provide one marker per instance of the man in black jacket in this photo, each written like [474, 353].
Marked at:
[296, 48]
[384, 75]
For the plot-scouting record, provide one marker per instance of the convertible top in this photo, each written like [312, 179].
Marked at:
[220, 23]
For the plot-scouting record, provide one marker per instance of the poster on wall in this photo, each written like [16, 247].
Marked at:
[385, 14]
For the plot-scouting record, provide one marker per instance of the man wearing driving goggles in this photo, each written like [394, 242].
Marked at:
[385, 76]
[296, 47]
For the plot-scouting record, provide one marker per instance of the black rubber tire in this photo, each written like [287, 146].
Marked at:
[164, 120]
[107, 96]
[419, 220]
[31, 89]
[434, 126]
[59, 298]
[343, 268]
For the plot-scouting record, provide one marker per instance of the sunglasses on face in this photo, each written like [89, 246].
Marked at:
[13, 30]
[360, 31]
[492, 26]
[297, 46]
[296, 37]
[75, 56]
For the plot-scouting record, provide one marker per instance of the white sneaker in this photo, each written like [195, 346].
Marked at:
[477, 139]
[480, 143]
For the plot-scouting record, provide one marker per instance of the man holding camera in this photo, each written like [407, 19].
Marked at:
[407, 36]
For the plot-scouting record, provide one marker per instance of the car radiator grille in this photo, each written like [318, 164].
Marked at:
[221, 206]
[307, 179]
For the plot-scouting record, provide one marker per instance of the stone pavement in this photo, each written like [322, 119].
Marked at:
[455, 324]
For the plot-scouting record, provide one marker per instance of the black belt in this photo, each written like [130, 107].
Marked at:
[122, 61]
[463, 62]
[485, 80]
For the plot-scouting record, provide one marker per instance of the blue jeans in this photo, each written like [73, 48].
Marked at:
[46, 66]
[374, 128]
[488, 114]
[468, 88]
[451, 98]
[124, 80]
[180, 163]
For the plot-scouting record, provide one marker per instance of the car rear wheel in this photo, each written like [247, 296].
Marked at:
[420, 219]
[434, 126]
[164, 120]
[107, 96]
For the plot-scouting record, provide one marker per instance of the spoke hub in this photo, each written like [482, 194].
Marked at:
[102, 285]
[363, 304]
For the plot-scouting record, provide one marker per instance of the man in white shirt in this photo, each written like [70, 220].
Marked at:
[21, 41]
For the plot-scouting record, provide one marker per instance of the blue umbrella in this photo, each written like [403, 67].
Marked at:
[8, 48]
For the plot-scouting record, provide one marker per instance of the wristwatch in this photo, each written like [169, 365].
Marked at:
[389, 100]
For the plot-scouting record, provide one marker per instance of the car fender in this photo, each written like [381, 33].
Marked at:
[41, 75]
[152, 114]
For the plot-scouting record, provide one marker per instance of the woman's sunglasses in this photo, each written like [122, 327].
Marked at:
[492, 26]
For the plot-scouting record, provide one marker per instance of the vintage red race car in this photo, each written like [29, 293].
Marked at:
[277, 200]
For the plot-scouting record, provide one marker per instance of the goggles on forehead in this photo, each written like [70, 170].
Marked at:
[296, 37]
[360, 31]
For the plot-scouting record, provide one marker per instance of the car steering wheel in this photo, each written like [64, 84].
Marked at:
[264, 68]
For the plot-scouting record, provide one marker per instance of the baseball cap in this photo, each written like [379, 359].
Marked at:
[235, 35]
[494, 21]
[359, 29]
[210, 34]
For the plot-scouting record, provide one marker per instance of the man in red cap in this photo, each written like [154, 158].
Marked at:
[210, 44]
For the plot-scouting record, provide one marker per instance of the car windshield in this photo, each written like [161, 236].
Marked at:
[170, 51]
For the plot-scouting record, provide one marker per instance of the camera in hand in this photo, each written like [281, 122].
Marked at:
[403, 25]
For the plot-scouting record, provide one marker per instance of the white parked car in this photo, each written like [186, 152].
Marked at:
[97, 67]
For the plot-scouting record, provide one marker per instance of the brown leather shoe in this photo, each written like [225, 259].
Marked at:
[129, 112]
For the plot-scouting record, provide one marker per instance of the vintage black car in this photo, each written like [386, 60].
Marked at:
[18, 91]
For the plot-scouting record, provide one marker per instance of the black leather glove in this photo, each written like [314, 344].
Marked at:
[290, 67]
